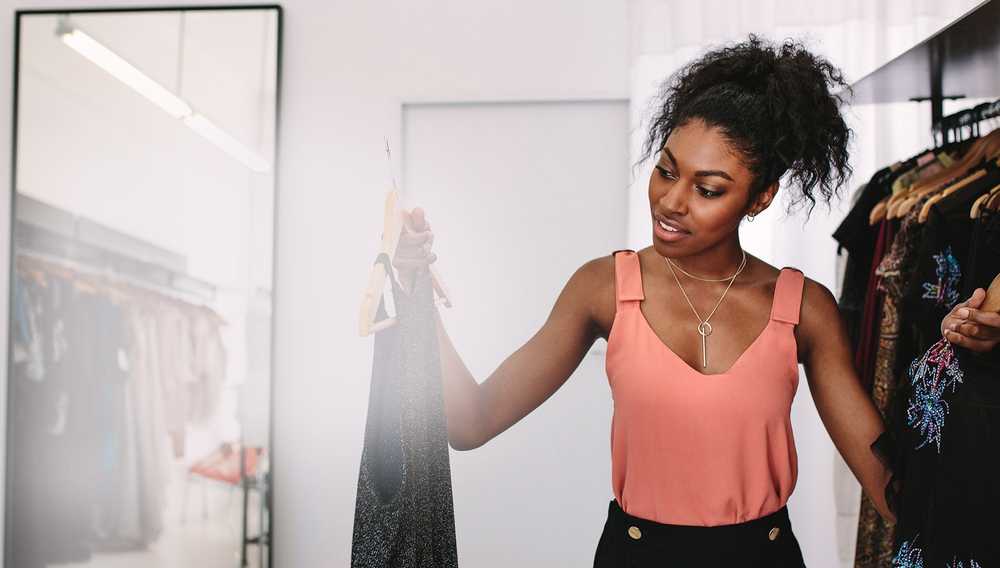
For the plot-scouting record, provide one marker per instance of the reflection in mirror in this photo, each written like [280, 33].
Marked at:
[139, 373]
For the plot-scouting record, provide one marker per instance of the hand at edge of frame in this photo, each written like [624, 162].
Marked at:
[968, 326]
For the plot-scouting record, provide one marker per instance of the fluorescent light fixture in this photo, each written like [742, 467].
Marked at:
[157, 94]
[230, 145]
[125, 72]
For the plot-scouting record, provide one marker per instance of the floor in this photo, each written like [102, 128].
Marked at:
[206, 535]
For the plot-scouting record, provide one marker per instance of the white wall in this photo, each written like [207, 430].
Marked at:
[519, 196]
[347, 67]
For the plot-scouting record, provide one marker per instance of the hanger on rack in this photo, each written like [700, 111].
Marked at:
[981, 202]
[980, 172]
[392, 228]
[918, 162]
[936, 156]
[993, 203]
[95, 279]
[926, 208]
[985, 148]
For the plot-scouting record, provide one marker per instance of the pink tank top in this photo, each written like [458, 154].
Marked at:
[695, 449]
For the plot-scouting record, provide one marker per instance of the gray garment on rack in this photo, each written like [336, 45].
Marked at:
[404, 515]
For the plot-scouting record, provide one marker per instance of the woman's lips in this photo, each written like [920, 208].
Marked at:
[668, 231]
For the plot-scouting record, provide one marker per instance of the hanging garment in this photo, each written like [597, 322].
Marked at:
[945, 425]
[876, 536]
[404, 514]
[861, 241]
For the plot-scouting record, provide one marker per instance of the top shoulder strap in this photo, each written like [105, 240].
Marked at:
[628, 276]
[787, 295]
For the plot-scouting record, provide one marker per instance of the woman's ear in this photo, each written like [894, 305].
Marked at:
[764, 199]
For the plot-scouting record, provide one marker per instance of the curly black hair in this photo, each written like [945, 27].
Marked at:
[774, 104]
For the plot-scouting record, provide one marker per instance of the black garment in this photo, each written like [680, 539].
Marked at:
[748, 545]
[945, 421]
[945, 252]
[52, 450]
[403, 516]
[858, 238]
[855, 235]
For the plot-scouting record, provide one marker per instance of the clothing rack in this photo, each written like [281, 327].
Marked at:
[108, 275]
[57, 236]
[957, 62]
[953, 125]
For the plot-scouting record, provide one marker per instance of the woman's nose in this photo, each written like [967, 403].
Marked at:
[674, 199]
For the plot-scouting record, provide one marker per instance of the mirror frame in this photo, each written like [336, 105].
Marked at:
[279, 39]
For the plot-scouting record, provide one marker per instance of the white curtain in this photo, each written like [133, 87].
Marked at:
[858, 37]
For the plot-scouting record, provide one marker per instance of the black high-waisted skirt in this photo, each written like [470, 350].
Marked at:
[631, 542]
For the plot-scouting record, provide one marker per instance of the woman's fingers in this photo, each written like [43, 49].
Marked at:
[418, 219]
[409, 264]
[413, 239]
[975, 331]
[968, 342]
[413, 251]
[976, 300]
[986, 319]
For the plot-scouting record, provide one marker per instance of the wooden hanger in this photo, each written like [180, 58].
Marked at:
[993, 203]
[980, 202]
[982, 149]
[884, 207]
[926, 160]
[392, 228]
[879, 211]
[926, 209]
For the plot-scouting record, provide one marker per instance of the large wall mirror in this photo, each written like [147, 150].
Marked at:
[139, 390]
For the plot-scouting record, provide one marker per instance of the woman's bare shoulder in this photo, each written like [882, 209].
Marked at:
[593, 285]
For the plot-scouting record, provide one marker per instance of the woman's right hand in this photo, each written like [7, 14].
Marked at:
[971, 327]
[413, 252]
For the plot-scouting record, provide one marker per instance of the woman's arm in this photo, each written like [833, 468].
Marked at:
[478, 412]
[847, 411]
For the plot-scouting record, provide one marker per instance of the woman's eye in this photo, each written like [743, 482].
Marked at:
[664, 172]
[708, 192]
[705, 192]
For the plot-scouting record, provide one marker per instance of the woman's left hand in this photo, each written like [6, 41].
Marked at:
[970, 327]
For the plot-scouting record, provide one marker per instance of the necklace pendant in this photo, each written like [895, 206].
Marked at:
[704, 329]
[704, 351]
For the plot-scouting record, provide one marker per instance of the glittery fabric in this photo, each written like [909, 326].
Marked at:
[944, 291]
[947, 414]
[908, 556]
[404, 515]
[911, 556]
[932, 376]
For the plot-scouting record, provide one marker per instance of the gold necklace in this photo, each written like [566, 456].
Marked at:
[705, 328]
[678, 267]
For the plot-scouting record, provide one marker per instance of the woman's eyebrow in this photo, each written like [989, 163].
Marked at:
[699, 173]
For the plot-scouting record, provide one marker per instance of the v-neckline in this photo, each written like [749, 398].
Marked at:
[732, 367]
[687, 365]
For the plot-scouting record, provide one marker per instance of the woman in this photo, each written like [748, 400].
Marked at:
[704, 340]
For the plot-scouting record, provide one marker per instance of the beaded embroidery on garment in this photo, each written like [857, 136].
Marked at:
[945, 291]
[931, 375]
[910, 556]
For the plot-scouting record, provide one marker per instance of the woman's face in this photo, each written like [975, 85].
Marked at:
[700, 190]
